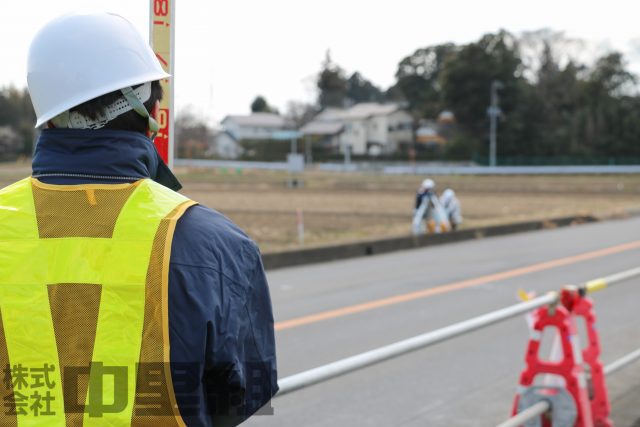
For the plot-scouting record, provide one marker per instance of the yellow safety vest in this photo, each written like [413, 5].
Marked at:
[84, 335]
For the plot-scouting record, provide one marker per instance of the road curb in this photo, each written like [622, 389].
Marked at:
[297, 257]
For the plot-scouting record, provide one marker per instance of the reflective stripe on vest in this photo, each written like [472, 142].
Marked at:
[34, 271]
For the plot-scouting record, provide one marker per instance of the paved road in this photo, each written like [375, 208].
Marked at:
[467, 381]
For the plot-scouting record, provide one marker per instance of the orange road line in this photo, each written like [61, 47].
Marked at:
[451, 287]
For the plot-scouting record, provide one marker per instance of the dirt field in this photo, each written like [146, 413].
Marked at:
[341, 207]
[347, 207]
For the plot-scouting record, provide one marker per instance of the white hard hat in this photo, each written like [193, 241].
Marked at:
[448, 194]
[428, 184]
[79, 57]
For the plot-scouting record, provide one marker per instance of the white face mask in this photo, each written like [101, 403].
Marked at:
[132, 99]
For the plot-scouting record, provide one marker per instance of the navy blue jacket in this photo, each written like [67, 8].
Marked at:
[420, 195]
[223, 359]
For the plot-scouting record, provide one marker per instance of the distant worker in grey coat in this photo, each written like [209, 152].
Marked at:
[451, 205]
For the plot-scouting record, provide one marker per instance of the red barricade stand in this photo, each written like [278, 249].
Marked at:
[581, 306]
[570, 368]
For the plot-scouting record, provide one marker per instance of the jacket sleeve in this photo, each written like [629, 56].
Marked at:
[418, 200]
[241, 375]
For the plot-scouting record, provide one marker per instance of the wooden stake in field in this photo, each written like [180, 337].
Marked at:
[161, 37]
[300, 222]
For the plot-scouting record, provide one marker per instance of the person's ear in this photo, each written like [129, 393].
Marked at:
[155, 115]
[155, 112]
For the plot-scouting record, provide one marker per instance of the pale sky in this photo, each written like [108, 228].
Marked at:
[229, 51]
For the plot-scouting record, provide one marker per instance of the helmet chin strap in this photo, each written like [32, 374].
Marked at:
[139, 108]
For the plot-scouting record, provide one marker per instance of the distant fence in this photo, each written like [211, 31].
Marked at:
[558, 160]
[230, 164]
[417, 168]
[511, 170]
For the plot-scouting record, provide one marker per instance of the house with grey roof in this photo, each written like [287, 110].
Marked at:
[256, 125]
[365, 128]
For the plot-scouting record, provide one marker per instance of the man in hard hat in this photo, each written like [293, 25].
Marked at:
[425, 190]
[122, 302]
[428, 208]
[451, 205]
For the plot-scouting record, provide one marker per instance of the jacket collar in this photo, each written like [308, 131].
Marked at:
[73, 156]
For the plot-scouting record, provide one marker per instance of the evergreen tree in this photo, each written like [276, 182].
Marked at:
[360, 89]
[332, 84]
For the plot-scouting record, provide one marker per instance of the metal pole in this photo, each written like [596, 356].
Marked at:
[347, 154]
[308, 149]
[331, 370]
[340, 367]
[611, 280]
[526, 415]
[492, 140]
[494, 112]
[622, 362]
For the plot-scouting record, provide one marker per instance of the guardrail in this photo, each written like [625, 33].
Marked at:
[399, 348]
[622, 362]
[230, 164]
[416, 169]
[349, 364]
[353, 363]
[510, 170]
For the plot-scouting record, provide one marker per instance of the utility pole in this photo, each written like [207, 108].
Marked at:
[347, 154]
[494, 112]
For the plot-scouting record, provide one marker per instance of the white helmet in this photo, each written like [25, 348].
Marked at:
[428, 184]
[447, 196]
[79, 57]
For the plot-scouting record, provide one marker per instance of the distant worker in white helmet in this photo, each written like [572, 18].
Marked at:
[108, 276]
[452, 207]
[428, 208]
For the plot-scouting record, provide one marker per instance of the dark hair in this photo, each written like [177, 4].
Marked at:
[128, 121]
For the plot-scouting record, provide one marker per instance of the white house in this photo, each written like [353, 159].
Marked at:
[369, 128]
[255, 126]
[225, 146]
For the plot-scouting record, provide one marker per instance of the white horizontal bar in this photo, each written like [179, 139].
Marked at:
[622, 362]
[340, 367]
[529, 413]
[331, 370]
[616, 278]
